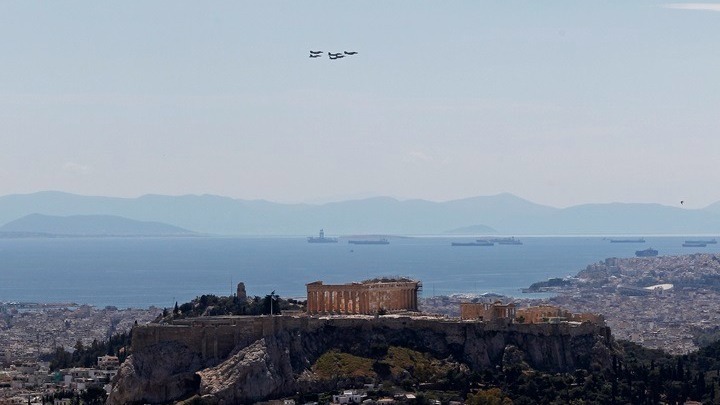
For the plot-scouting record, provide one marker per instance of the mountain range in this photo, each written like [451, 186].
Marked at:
[500, 214]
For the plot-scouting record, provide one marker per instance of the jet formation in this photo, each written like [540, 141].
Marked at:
[332, 56]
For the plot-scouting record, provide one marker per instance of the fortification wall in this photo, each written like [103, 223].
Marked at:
[214, 338]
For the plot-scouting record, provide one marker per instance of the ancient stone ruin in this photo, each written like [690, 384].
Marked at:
[368, 297]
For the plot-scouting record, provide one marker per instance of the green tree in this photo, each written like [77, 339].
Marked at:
[94, 395]
[270, 303]
[492, 396]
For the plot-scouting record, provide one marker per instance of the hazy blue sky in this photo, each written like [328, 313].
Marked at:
[559, 102]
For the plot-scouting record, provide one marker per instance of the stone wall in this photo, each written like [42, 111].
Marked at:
[213, 338]
[486, 312]
[542, 313]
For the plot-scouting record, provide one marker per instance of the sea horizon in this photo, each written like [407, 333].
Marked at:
[144, 272]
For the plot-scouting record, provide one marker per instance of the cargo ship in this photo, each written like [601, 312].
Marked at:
[478, 242]
[506, 241]
[693, 244]
[321, 238]
[638, 240]
[706, 242]
[646, 253]
[382, 241]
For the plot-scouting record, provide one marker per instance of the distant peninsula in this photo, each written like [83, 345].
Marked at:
[38, 225]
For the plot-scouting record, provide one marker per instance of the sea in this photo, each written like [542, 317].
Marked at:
[144, 272]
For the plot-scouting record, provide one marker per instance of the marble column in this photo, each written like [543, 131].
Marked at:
[348, 302]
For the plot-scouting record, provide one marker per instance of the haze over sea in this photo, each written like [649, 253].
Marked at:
[140, 272]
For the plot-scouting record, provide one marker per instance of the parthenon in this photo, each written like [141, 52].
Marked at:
[367, 297]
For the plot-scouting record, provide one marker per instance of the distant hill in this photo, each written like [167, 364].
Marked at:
[87, 225]
[502, 214]
[715, 208]
[472, 230]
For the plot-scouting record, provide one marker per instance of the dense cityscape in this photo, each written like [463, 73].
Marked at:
[31, 334]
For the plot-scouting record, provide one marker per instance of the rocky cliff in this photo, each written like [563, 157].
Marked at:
[246, 359]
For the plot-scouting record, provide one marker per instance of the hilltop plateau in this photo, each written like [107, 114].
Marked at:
[248, 359]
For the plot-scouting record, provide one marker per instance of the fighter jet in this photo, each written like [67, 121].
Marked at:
[316, 52]
[334, 54]
[315, 56]
[350, 53]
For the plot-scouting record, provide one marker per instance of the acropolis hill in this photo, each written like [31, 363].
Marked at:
[246, 359]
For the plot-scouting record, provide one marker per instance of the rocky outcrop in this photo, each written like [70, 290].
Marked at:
[250, 374]
[166, 370]
[237, 360]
